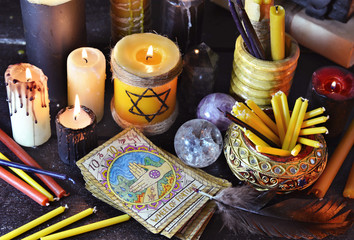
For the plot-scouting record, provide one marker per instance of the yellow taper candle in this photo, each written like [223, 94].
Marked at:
[255, 139]
[273, 151]
[33, 223]
[279, 119]
[295, 151]
[285, 108]
[309, 142]
[314, 121]
[262, 115]
[334, 163]
[292, 122]
[314, 130]
[87, 228]
[60, 224]
[145, 69]
[314, 113]
[29, 180]
[298, 123]
[277, 32]
[86, 69]
[349, 186]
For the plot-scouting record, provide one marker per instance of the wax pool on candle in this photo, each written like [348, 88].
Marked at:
[145, 82]
[86, 77]
[28, 103]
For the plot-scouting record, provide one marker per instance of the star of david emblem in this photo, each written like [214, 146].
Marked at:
[146, 95]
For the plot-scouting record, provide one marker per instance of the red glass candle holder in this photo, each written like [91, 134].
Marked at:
[333, 88]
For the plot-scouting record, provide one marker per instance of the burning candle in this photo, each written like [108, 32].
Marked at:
[86, 77]
[27, 95]
[182, 21]
[145, 82]
[333, 88]
[76, 131]
[52, 30]
[277, 32]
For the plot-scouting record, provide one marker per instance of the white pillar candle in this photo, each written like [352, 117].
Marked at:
[86, 78]
[29, 104]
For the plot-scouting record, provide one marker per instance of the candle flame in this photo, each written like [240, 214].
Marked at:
[84, 55]
[333, 85]
[150, 52]
[196, 51]
[76, 107]
[28, 74]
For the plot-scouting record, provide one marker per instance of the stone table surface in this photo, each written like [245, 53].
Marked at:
[219, 32]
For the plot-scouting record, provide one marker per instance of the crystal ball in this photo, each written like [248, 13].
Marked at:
[208, 109]
[198, 143]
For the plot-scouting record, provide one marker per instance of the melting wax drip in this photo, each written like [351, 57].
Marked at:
[29, 90]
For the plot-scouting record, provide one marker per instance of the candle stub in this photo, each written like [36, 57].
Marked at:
[27, 95]
[76, 136]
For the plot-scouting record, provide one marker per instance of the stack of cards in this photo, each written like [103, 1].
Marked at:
[131, 174]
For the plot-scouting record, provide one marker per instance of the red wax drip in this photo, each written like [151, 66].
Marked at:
[334, 82]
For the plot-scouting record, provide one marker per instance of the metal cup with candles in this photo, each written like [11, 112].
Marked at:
[145, 70]
[27, 95]
[285, 162]
[76, 131]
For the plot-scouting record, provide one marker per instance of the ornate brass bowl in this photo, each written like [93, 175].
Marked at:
[265, 172]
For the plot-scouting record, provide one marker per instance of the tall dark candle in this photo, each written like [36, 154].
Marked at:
[52, 32]
[182, 21]
[333, 88]
[76, 133]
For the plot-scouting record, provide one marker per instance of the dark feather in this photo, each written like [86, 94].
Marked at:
[245, 209]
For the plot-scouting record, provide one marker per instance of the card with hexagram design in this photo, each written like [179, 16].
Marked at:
[154, 187]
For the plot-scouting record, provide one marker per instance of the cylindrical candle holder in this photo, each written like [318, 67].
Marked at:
[145, 84]
[332, 87]
[76, 136]
[52, 30]
[28, 104]
[86, 78]
[257, 79]
[182, 22]
[129, 16]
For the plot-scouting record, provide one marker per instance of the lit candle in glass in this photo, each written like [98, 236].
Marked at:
[86, 77]
[27, 95]
[76, 131]
[145, 70]
[333, 88]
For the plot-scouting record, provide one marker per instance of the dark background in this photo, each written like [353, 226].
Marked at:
[219, 33]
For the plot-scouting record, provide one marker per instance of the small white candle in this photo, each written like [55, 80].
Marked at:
[27, 95]
[86, 72]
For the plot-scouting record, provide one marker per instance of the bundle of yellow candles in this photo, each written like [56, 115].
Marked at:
[289, 128]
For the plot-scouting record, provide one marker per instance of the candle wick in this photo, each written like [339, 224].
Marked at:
[147, 57]
[276, 8]
[75, 118]
[86, 60]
